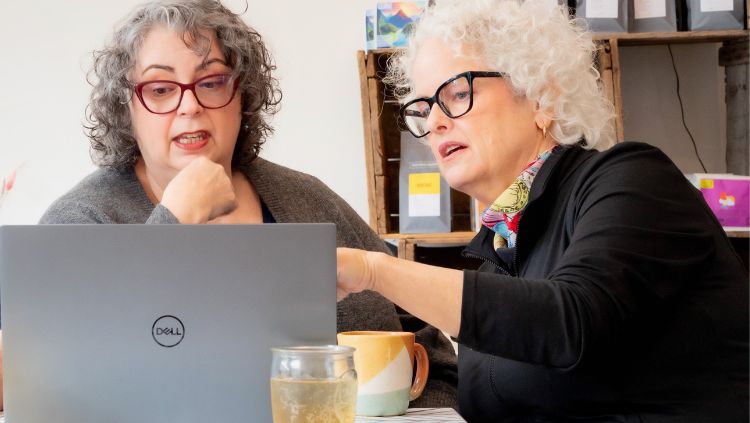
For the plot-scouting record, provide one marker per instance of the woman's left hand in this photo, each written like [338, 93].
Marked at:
[354, 272]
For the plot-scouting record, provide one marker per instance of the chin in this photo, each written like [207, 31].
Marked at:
[457, 182]
[461, 180]
[448, 172]
[182, 162]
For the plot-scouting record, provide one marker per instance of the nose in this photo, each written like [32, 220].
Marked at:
[189, 105]
[437, 120]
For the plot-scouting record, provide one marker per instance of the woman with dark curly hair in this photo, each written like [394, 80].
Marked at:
[179, 110]
[180, 104]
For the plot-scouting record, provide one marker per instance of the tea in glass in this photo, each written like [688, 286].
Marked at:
[310, 401]
[313, 384]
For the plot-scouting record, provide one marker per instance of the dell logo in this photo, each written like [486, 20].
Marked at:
[168, 331]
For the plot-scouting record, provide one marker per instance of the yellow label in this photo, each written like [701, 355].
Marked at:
[707, 183]
[424, 183]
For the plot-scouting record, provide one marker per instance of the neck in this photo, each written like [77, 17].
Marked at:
[153, 187]
[543, 146]
[488, 194]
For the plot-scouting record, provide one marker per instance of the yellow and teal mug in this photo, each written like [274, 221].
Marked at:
[384, 365]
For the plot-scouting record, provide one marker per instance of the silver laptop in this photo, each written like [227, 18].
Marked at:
[157, 323]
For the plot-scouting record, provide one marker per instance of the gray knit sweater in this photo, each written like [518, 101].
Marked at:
[108, 196]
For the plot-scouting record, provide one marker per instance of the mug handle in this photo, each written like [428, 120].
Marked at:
[423, 370]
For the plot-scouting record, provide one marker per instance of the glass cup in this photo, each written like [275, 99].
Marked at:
[313, 384]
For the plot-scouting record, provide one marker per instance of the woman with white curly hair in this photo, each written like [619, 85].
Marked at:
[609, 291]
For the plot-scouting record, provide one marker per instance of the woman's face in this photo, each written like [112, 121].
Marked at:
[169, 142]
[496, 139]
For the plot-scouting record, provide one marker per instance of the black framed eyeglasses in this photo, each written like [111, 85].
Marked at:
[211, 92]
[454, 96]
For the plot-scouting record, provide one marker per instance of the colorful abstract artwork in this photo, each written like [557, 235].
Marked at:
[370, 41]
[395, 21]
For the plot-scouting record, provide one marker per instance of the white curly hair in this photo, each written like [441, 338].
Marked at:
[548, 57]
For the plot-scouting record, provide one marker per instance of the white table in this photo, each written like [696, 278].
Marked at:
[432, 415]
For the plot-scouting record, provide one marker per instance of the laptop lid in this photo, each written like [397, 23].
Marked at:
[157, 323]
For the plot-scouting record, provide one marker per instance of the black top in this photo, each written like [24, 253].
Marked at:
[267, 215]
[628, 305]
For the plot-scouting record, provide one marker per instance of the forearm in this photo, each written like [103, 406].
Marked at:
[430, 293]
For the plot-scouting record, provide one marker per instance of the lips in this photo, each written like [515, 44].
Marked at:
[449, 148]
[191, 140]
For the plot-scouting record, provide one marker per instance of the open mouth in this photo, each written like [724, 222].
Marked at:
[191, 138]
[450, 148]
[453, 149]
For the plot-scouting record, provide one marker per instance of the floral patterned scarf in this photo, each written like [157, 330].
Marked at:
[503, 215]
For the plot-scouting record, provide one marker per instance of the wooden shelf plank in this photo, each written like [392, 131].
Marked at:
[380, 51]
[367, 127]
[644, 38]
[684, 37]
[466, 236]
[738, 234]
[448, 238]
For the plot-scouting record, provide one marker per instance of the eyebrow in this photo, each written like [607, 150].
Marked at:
[202, 66]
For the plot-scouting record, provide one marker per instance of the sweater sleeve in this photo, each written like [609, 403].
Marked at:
[106, 196]
[637, 230]
[161, 215]
[67, 211]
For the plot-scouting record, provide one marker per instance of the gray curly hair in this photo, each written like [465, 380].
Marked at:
[549, 59]
[109, 126]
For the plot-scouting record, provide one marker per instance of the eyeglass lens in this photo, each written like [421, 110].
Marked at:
[164, 96]
[454, 99]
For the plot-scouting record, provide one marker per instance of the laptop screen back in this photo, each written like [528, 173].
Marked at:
[157, 323]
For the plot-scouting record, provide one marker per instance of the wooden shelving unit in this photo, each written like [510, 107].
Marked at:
[382, 135]
[383, 149]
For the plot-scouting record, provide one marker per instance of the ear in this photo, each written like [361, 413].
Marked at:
[541, 117]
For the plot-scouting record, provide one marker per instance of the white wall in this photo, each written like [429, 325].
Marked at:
[46, 54]
[47, 45]
[652, 110]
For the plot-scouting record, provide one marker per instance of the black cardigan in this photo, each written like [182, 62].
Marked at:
[629, 303]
